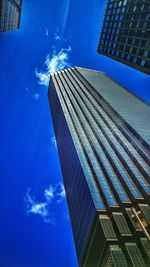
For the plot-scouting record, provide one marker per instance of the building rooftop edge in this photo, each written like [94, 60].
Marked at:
[104, 73]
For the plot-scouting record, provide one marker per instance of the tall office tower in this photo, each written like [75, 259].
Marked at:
[10, 12]
[125, 33]
[103, 139]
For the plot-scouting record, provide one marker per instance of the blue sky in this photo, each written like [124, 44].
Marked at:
[35, 228]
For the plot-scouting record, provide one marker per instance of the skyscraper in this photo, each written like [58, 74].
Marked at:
[10, 12]
[103, 138]
[125, 33]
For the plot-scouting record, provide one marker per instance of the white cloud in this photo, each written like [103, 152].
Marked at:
[56, 62]
[49, 193]
[57, 37]
[54, 194]
[38, 208]
[43, 77]
[61, 194]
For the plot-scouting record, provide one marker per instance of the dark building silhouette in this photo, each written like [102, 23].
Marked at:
[125, 33]
[103, 139]
[10, 12]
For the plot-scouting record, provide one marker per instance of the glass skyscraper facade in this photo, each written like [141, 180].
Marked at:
[10, 12]
[125, 33]
[103, 138]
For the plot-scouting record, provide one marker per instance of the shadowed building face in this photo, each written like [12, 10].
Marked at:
[10, 12]
[125, 33]
[103, 140]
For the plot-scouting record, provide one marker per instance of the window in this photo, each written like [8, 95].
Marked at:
[128, 57]
[146, 53]
[143, 63]
[135, 60]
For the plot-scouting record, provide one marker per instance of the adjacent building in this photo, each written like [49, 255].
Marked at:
[125, 33]
[10, 12]
[103, 139]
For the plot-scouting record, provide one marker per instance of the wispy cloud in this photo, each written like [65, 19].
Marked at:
[61, 194]
[38, 208]
[36, 96]
[53, 141]
[57, 35]
[32, 94]
[49, 193]
[46, 32]
[53, 195]
[58, 61]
